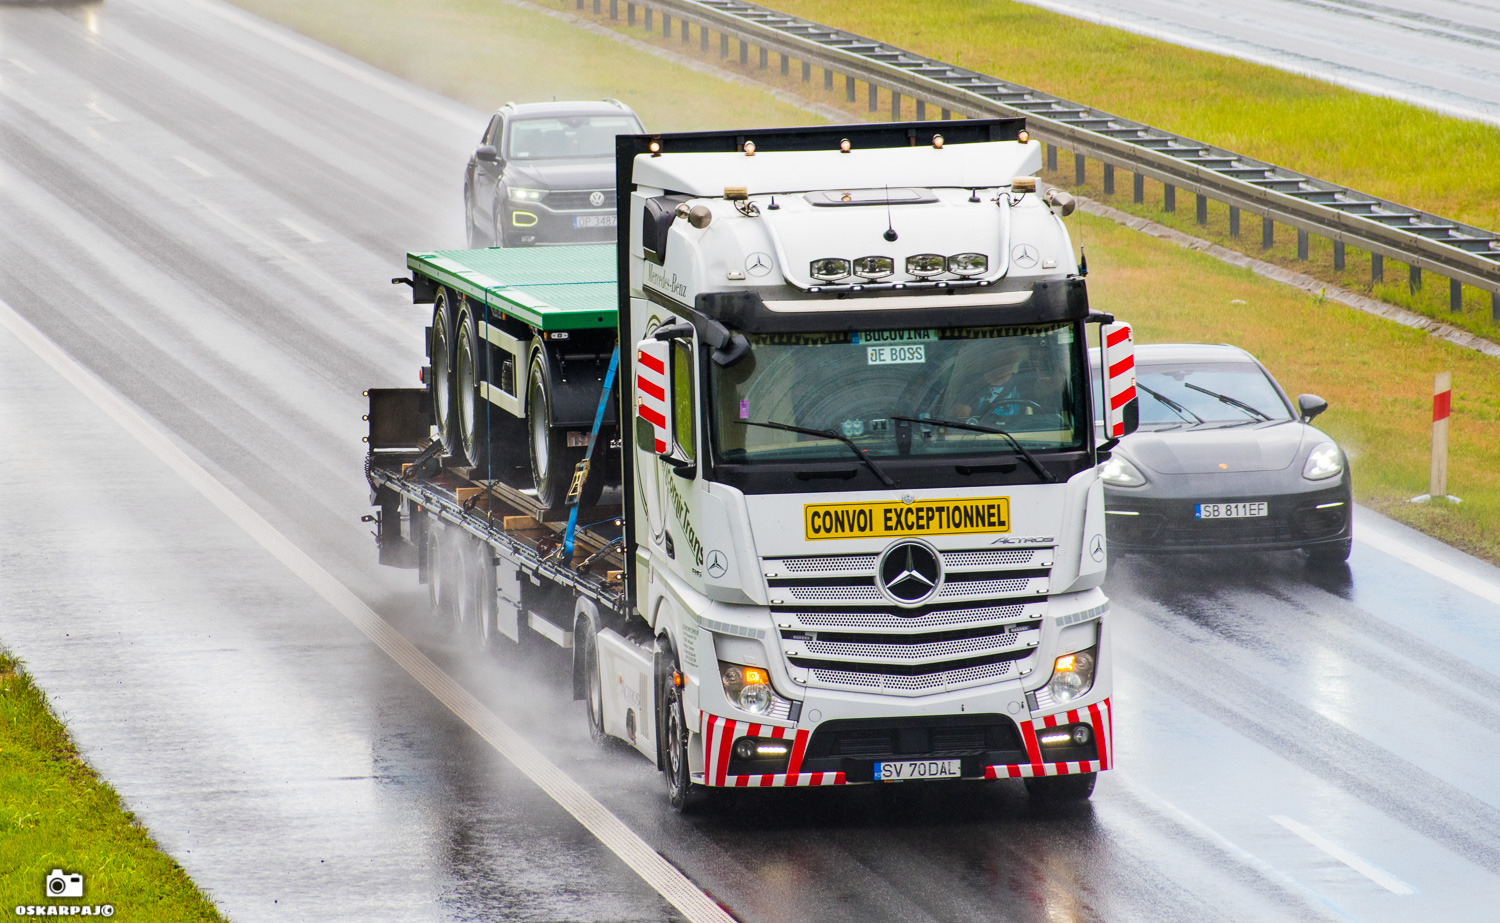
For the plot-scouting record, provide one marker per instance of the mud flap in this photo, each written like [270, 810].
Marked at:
[629, 693]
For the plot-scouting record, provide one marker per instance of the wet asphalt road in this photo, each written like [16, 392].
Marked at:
[1443, 54]
[203, 211]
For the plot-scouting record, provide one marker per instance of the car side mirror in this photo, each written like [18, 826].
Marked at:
[486, 152]
[1310, 405]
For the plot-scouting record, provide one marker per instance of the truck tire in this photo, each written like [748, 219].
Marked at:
[491, 439]
[1055, 790]
[587, 646]
[441, 573]
[440, 354]
[552, 462]
[683, 794]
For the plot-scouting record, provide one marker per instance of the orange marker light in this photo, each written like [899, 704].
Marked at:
[1066, 662]
[676, 678]
[755, 675]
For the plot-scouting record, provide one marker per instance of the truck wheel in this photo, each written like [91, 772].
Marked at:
[440, 353]
[552, 462]
[1061, 789]
[683, 794]
[593, 679]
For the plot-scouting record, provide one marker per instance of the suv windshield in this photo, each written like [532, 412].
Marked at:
[567, 136]
[1027, 381]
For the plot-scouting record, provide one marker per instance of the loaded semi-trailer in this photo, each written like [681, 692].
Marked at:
[851, 529]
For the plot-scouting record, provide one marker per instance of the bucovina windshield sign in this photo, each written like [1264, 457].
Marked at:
[882, 520]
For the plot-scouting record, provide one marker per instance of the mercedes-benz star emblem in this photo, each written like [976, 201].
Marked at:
[717, 564]
[596, 199]
[1096, 548]
[758, 264]
[910, 572]
[1024, 255]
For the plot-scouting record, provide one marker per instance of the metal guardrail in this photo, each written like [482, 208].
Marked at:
[1466, 255]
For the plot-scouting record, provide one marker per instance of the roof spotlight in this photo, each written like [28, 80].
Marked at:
[829, 269]
[968, 264]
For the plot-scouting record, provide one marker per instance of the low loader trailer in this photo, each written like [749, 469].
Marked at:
[803, 471]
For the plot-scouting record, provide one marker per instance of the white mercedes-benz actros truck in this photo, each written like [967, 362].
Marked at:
[804, 471]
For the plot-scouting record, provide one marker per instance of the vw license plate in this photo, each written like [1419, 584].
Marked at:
[917, 770]
[1230, 510]
[594, 221]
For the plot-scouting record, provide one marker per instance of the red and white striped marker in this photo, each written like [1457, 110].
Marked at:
[1442, 402]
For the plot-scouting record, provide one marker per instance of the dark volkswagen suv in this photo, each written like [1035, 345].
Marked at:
[544, 173]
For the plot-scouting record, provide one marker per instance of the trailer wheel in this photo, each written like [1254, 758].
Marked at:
[441, 571]
[552, 462]
[1054, 790]
[492, 439]
[440, 354]
[476, 596]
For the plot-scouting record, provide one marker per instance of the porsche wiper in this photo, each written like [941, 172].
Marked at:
[1225, 399]
[1036, 466]
[827, 434]
[1171, 405]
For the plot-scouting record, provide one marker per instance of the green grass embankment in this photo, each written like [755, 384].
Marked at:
[55, 813]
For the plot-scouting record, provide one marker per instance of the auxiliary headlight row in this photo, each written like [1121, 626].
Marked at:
[921, 265]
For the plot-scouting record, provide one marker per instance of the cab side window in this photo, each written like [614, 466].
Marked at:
[492, 134]
[684, 420]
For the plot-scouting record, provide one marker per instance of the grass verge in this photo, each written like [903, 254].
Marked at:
[55, 813]
[1377, 375]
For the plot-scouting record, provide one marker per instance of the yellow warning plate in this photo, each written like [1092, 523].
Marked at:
[923, 517]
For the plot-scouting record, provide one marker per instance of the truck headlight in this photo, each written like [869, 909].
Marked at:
[526, 195]
[1325, 461]
[747, 687]
[1072, 676]
[1121, 473]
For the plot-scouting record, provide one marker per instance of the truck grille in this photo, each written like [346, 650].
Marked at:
[839, 630]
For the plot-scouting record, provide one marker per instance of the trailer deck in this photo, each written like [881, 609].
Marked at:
[550, 288]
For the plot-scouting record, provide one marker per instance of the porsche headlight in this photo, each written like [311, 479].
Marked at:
[1121, 473]
[1325, 461]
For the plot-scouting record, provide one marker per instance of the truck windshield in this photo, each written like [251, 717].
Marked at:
[1027, 381]
[568, 137]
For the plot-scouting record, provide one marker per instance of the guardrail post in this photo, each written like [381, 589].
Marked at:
[765, 58]
[580, 4]
[1052, 158]
[1140, 189]
[1079, 173]
[1301, 245]
[1109, 179]
[1202, 209]
[827, 79]
[1495, 307]
[895, 106]
[723, 45]
[1169, 198]
[1414, 278]
[630, 14]
[596, 7]
[683, 28]
[1338, 256]
[921, 110]
[1377, 268]
[614, 9]
[806, 72]
[947, 115]
[1267, 233]
[744, 52]
[849, 86]
[1455, 296]
[703, 38]
[786, 64]
[650, 18]
[874, 97]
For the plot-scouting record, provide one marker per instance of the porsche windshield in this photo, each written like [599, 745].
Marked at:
[879, 388]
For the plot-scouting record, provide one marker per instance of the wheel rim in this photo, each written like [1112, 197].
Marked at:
[466, 389]
[440, 367]
[675, 744]
[540, 448]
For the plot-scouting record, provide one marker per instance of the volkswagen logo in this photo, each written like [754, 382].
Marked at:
[596, 199]
[910, 573]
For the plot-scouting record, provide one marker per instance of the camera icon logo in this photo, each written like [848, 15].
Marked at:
[61, 884]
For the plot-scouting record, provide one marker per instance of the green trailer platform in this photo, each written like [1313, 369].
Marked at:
[547, 288]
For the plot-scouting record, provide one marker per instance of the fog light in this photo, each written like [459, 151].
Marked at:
[1081, 734]
[744, 748]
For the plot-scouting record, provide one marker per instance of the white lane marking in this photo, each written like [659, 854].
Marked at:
[23, 67]
[192, 166]
[1385, 879]
[294, 226]
[94, 108]
[660, 874]
[1442, 570]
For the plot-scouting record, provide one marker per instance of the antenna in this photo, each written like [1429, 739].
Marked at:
[890, 227]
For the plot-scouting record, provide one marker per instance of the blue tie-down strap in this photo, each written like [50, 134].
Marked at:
[588, 455]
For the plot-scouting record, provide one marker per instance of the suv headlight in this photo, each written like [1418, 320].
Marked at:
[1325, 461]
[1121, 473]
[521, 194]
[1072, 676]
[747, 687]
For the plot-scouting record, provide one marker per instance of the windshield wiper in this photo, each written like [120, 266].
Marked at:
[1036, 466]
[827, 434]
[1224, 398]
[1170, 404]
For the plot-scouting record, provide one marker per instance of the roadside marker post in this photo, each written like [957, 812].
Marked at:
[1442, 402]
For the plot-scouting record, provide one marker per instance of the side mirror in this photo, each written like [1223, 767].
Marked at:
[681, 467]
[651, 405]
[673, 332]
[1121, 416]
[486, 152]
[1310, 405]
